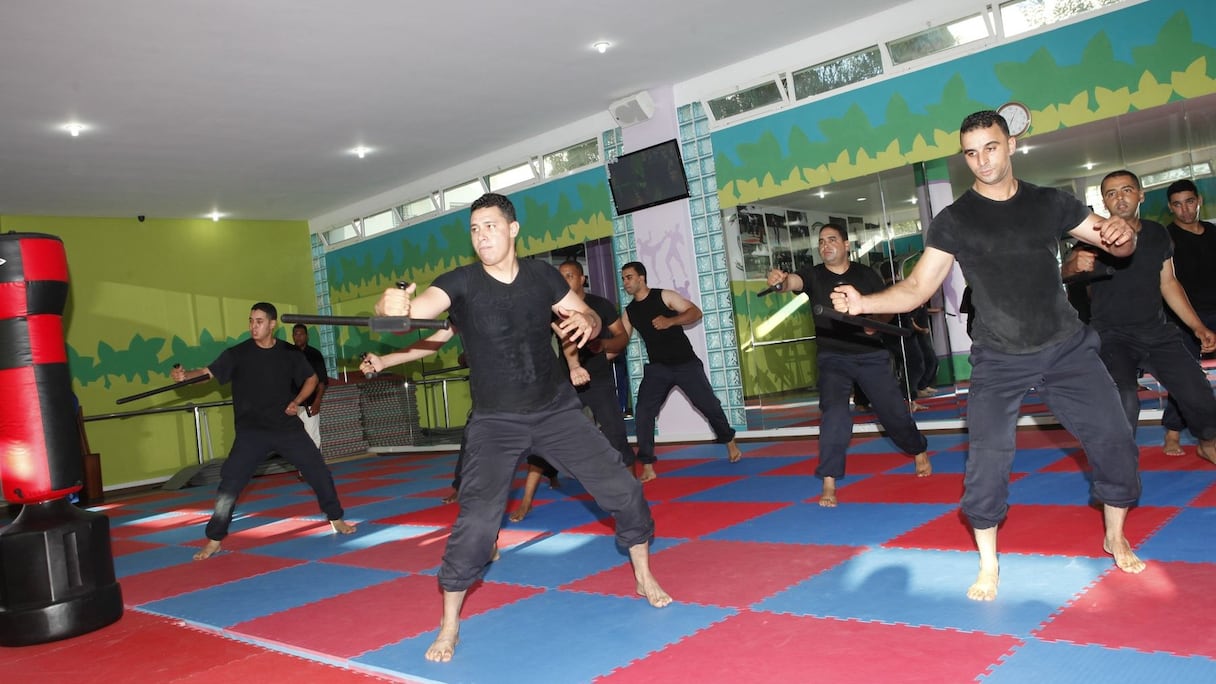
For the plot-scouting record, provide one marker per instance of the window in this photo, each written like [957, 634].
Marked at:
[1020, 16]
[574, 157]
[462, 194]
[512, 176]
[746, 100]
[939, 38]
[379, 223]
[335, 235]
[1199, 170]
[416, 208]
[837, 73]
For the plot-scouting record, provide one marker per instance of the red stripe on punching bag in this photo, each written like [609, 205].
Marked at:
[46, 339]
[24, 470]
[44, 259]
[12, 300]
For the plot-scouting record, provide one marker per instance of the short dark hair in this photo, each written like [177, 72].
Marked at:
[636, 266]
[984, 119]
[574, 263]
[299, 326]
[1120, 172]
[493, 200]
[844, 234]
[1184, 185]
[266, 308]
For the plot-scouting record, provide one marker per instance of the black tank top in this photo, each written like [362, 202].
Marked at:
[670, 346]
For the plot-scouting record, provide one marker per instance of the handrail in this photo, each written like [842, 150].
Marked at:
[151, 411]
[789, 341]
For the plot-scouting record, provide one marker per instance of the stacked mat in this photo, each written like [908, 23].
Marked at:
[389, 407]
[341, 422]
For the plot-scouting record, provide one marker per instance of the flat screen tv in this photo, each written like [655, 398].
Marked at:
[648, 177]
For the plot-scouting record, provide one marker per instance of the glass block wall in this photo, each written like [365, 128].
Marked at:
[709, 246]
[320, 284]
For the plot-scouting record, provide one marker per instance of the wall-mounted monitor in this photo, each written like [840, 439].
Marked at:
[648, 177]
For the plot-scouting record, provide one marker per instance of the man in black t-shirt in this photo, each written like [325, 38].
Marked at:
[591, 373]
[1005, 235]
[847, 354]
[270, 382]
[522, 402]
[311, 415]
[660, 316]
[1194, 255]
[1126, 311]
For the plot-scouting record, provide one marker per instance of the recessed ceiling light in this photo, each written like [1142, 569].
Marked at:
[1089, 166]
[912, 201]
[601, 46]
[862, 199]
[75, 128]
[821, 193]
[361, 151]
[215, 215]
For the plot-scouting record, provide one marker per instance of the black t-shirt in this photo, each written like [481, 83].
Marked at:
[506, 334]
[832, 335]
[1009, 253]
[317, 361]
[670, 346]
[264, 382]
[1131, 298]
[596, 364]
[1194, 258]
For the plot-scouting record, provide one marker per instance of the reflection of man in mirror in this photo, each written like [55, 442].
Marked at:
[847, 354]
[660, 316]
[1126, 311]
[1194, 254]
[1005, 233]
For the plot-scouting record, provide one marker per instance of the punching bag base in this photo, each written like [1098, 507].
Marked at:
[56, 575]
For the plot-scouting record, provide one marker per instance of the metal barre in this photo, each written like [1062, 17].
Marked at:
[821, 310]
[375, 323]
[166, 388]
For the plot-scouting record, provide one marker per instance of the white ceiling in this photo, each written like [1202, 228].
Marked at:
[251, 106]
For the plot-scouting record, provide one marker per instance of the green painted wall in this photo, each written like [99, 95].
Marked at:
[144, 296]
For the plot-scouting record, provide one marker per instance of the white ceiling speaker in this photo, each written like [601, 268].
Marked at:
[633, 109]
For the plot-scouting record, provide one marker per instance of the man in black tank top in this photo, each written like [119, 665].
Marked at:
[660, 316]
[522, 402]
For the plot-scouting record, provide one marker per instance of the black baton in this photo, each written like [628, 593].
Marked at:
[821, 310]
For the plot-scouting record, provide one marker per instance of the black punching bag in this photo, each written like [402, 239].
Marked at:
[56, 565]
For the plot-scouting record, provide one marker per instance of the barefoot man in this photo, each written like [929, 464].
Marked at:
[270, 383]
[1005, 235]
[660, 316]
[847, 354]
[522, 401]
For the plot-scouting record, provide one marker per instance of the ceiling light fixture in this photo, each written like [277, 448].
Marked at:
[821, 193]
[862, 199]
[74, 128]
[601, 46]
[1089, 166]
[215, 215]
[361, 151]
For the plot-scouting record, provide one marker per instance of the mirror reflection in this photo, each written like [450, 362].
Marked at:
[885, 215]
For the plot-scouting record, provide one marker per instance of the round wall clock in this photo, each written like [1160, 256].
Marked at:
[1017, 116]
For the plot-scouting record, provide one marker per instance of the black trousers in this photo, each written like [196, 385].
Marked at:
[1159, 349]
[601, 398]
[658, 380]
[1076, 386]
[1172, 418]
[496, 443]
[872, 372]
[249, 449]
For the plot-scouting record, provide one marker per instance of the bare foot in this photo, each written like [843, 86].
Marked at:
[444, 646]
[1173, 443]
[913, 407]
[733, 452]
[342, 527]
[828, 498]
[923, 467]
[450, 498]
[648, 473]
[650, 589]
[985, 585]
[212, 547]
[521, 512]
[1125, 558]
[1207, 450]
